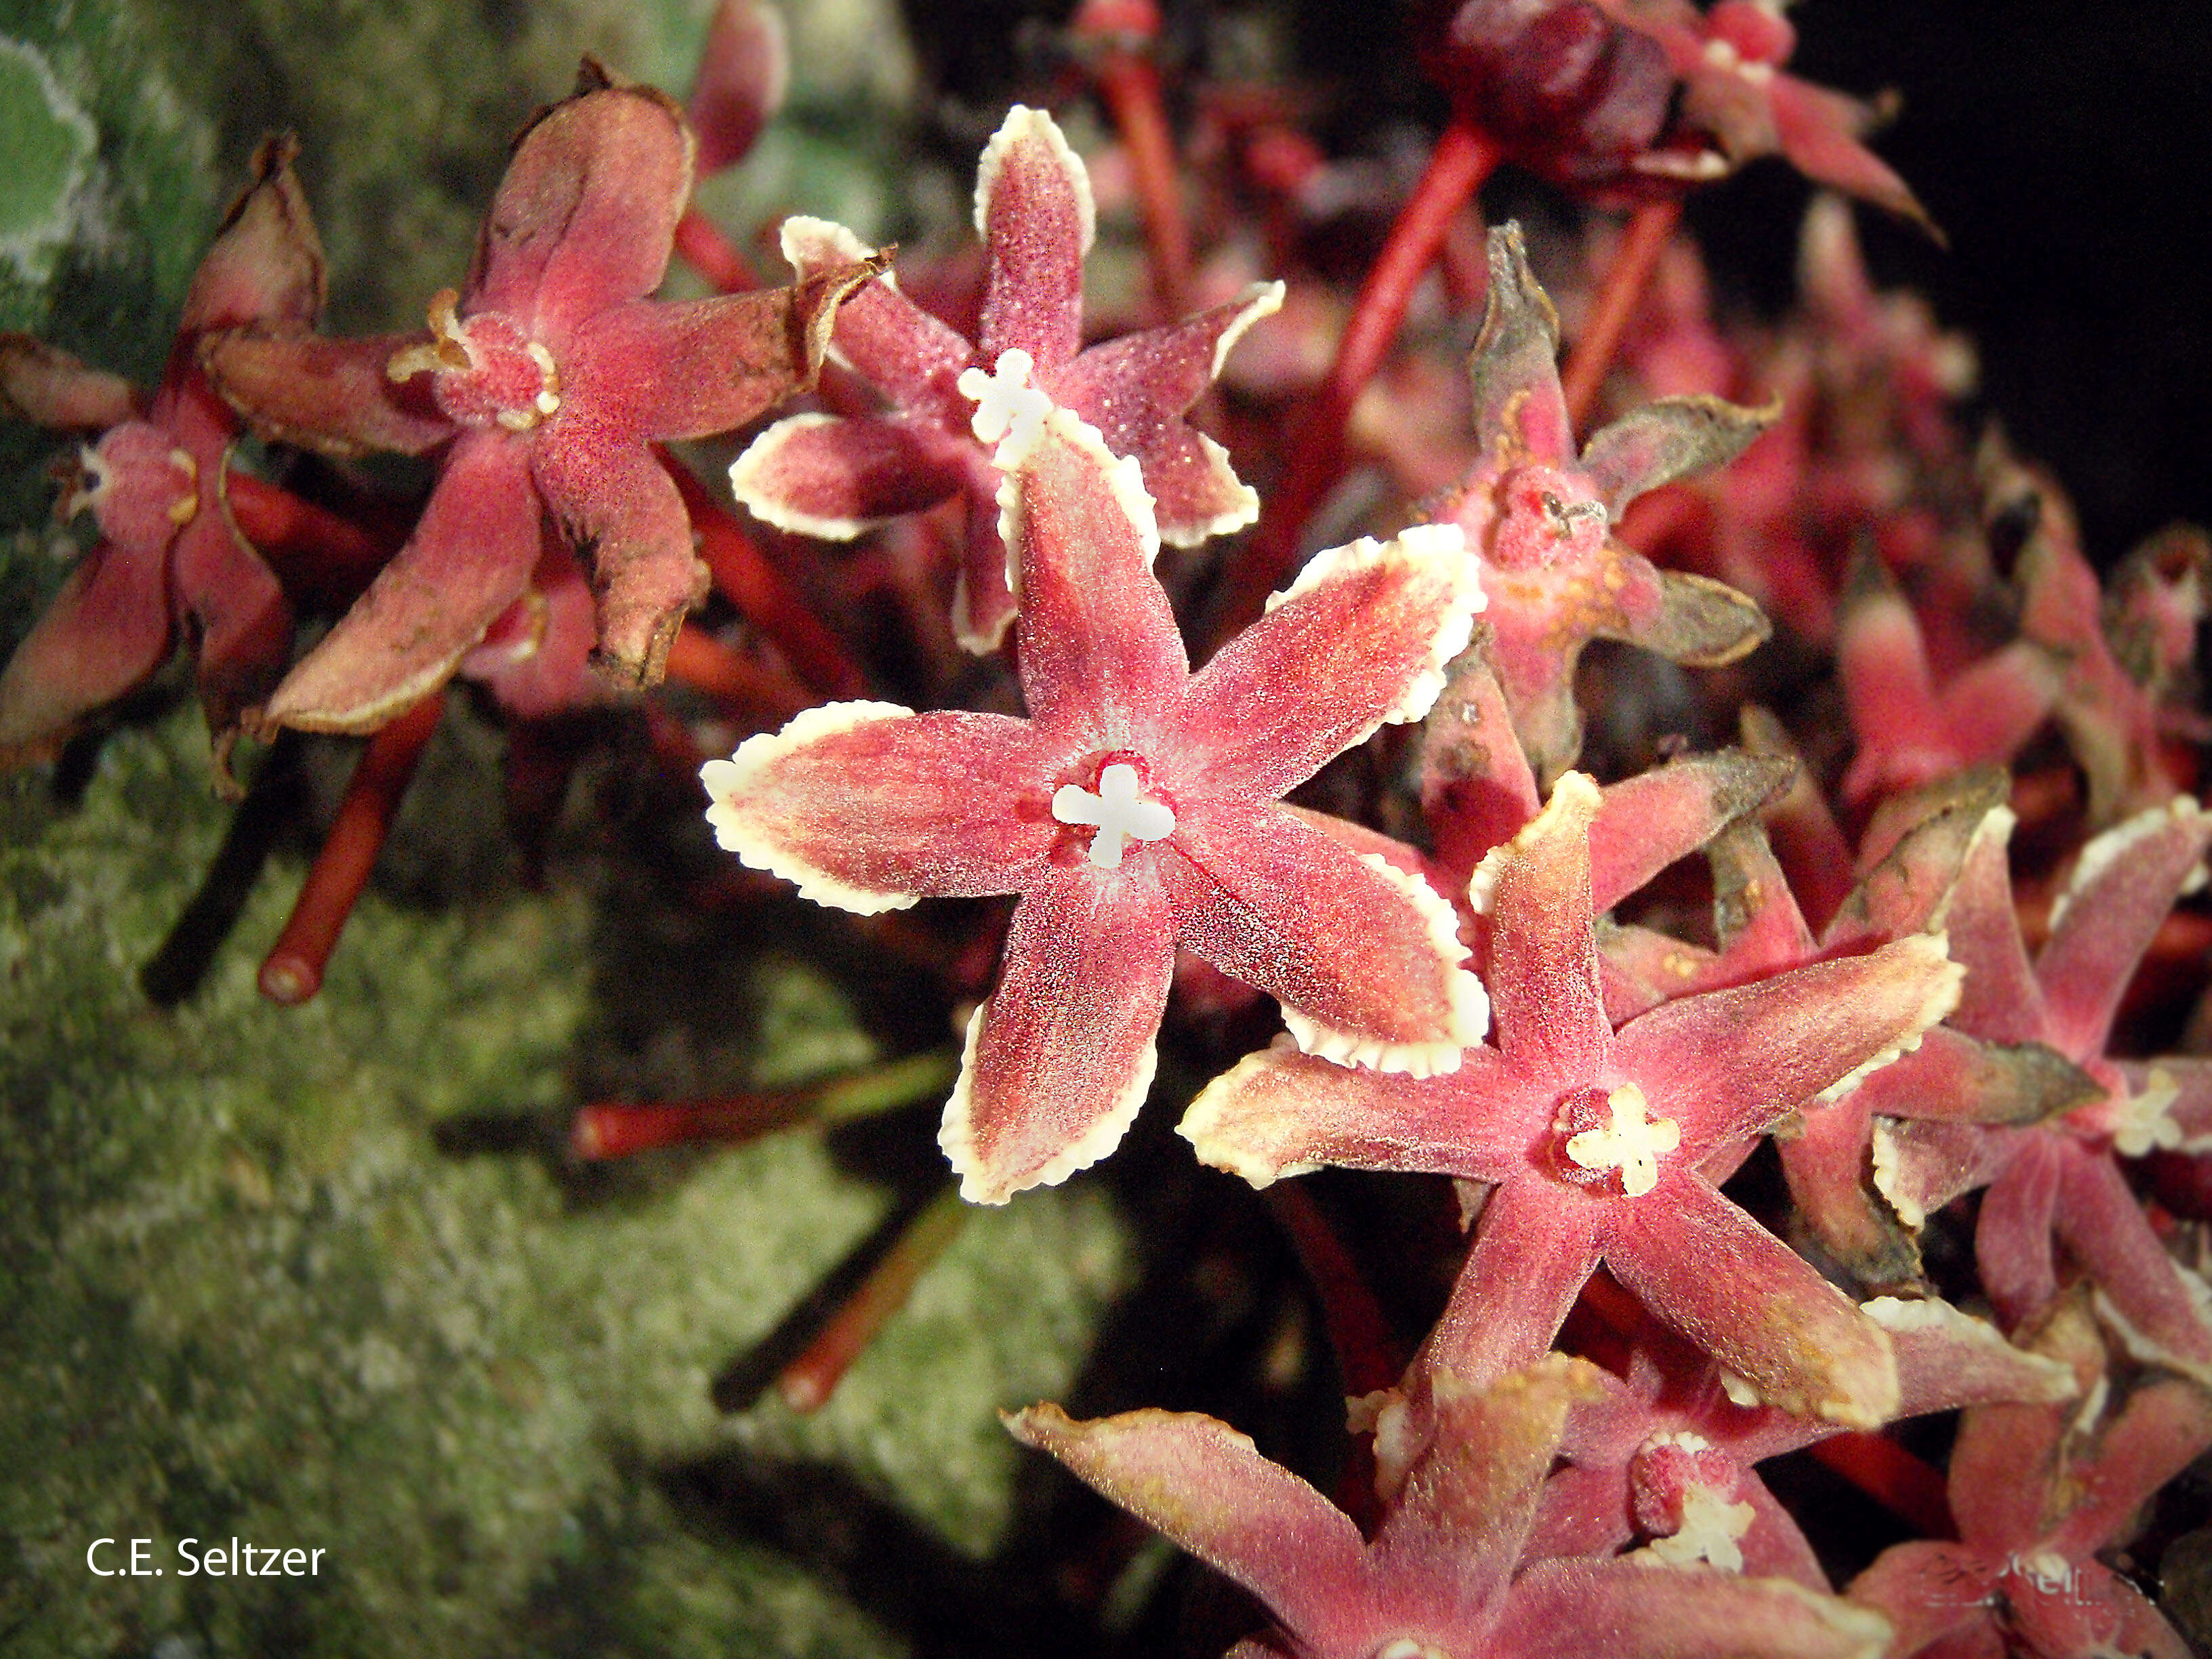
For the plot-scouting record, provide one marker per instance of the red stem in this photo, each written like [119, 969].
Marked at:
[1893, 1478]
[614, 1129]
[293, 971]
[1131, 88]
[1463, 158]
[316, 553]
[713, 255]
[1649, 228]
[808, 1381]
[1357, 1330]
[702, 662]
[744, 576]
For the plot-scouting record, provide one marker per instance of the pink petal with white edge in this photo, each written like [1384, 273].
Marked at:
[469, 558]
[1061, 1058]
[2162, 1311]
[1750, 1301]
[1728, 1063]
[912, 357]
[2121, 888]
[1208, 1487]
[1359, 640]
[2002, 1000]
[868, 806]
[1947, 1359]
[1033, 208]
[1543, 966]
[1099, 642]
[1626, 1610]
[1136, 390]
[1364, 958]
[1929, 1590]
[819, 474]
[1282, 1113]
[2159, 1434]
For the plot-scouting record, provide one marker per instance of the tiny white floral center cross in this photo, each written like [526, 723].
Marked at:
[1005, 402]
[2145, 1120]
[1120, 810]
[1711, 1531]
[1632, 1146]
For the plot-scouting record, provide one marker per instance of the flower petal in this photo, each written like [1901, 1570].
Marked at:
[610, 494]
[2121, 888]
[1728, 1063]
[818, 475]
[49, 388]
[1063, 1055]
[868, 806]
[1361, 638]
[1098, 642]
[1536, 1246]
[469, 559]
[2001, 1000]
[1645, 823]
[1476, 789]
[1543, 958]
[1670, 439]
[1519, 409]
[587, 214]
[1206, 1486]
[1033, 210]
[908, 354]
[267, 265]
[1451, 1539]
[1364, 958]
[107, 629]
[1282, 1113]
[1626, 1610]
[238, 615]
[331, 396]
[1930, 1590]
[673, 370]
[744, 64]
[2164, 1314]
[1753, 1303]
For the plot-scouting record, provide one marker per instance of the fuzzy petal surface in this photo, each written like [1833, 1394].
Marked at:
[610, 494]
[817, 475]
[1365, 958]
[1033, 210]
[868, 806]
[1361, 638]
[1543, 969]
[331, 396]
[1626, 1610]
[1061, 1056]
[1753, 1303]
[586, 212]
[1728, 1063]
[1206, 1487]
[469, 558]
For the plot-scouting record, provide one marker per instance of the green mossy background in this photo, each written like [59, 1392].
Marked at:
[243, 1290]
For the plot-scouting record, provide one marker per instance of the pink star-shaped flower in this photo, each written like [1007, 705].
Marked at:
[1538, 519]
[1444, 1575]
[1667, 1452]
[548, 379]
[1134, 811]
[2037, 1491]
[170, 561]
[829, 477]
[2058, 1181]
[1598, 1143]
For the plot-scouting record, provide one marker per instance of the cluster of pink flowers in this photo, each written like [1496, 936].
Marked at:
[1906, 1013]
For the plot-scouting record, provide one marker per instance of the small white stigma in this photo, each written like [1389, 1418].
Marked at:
[1632, 1146]
[1008, 408]
[1120, 810]
[2144, 1122]
[1712, 1533]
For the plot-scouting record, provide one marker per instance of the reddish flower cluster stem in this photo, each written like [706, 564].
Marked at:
[808, 1381]
[293, 970]
[1649, 228]
[1464, 157]
[713, 255]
